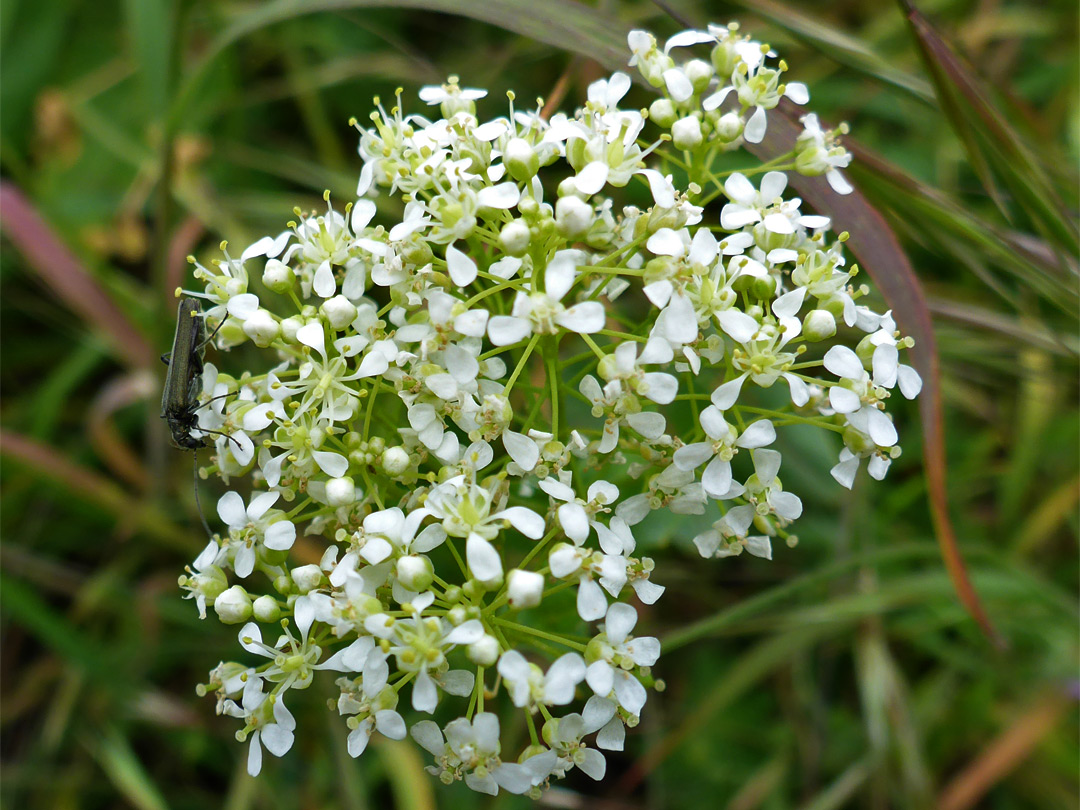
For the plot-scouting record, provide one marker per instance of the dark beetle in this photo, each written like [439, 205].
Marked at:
[180, 399]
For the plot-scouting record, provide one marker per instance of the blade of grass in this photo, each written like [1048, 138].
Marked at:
[831, 42]
[1004, 753]
[69, 279]
[560, 23]
[878, 251]
[967, 105]
[122, 767]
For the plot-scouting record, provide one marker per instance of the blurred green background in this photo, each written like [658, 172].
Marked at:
[845, 673]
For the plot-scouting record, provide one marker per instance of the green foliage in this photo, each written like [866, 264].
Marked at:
[845, 673]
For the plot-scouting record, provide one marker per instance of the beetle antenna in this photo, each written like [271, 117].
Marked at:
[198, 503]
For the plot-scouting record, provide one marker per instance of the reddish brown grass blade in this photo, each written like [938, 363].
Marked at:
[879, 253]
[64, 273]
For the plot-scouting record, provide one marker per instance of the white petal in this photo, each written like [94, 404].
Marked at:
[843, 362]
[692, 456]
[909, 380]
[766, 465]
[425, 696]
[754, 131]
[280, 536]
[574, 522]
[562, 679]
[844, 472]
[502, 196]
[758, 434]
[505, 329]
[472, 323]
[524, 520]
[717, 477]
[521, 449]
[881, 428]
[593, 764]
[666, 242]
[788, 304]
[231, 509]
[358, 738]
[786, 504]
[484, 561]
[333, 464]
[591, 602]
[430, 738]
[800, 393]
[592, 178]
[243, 306]
[462, 269]
[620, 620]
[739, 325]
[797, 92]
[727, 394]
[838, 182]
[844, 400]
[465, 633]
[362, 213]
[600, 677]
[277, 740]
[759, 546]
[584, 318]
[312, 335]
[324, 284]
[678, 85]
[630, 693]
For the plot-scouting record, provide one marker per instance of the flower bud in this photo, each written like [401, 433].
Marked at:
[307, 577]
[289, 327]
[865, 349]
[233, 606]
[699, 72]
[724, 58]
[573, 216]
[662, 112]
[262, 328]
[521, 160]
[728, 127]
[819, 325]
[395, 461]
[415, 572]
[340, 491]
[524, 588]
[277, 276]
[514, 238]
[339, 311]
[485, 652]
[266, 609]
[686, 133]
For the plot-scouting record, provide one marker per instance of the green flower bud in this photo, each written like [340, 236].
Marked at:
[819, 324]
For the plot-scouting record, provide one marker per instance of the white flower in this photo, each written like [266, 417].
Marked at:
[253, 526]
[616, 653]
[723, 444]
[543, 312]
[472, 749]
[530, 687]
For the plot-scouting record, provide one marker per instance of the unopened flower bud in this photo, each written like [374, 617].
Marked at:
[395, 460]
[485, 652]
[699, 72]
[307, 577]
[728, 127]
[573, 216]
[514, 238]
[266, 609]
[339, 311]
[521, 160]
[233, 606]
[524, 588]
[262, 328]
[277, 276]
[662, 112]
[415, 572]
[686, 133]
[340, 491]
[819, 324]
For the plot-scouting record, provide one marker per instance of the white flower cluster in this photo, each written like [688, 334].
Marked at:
[473, 403]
